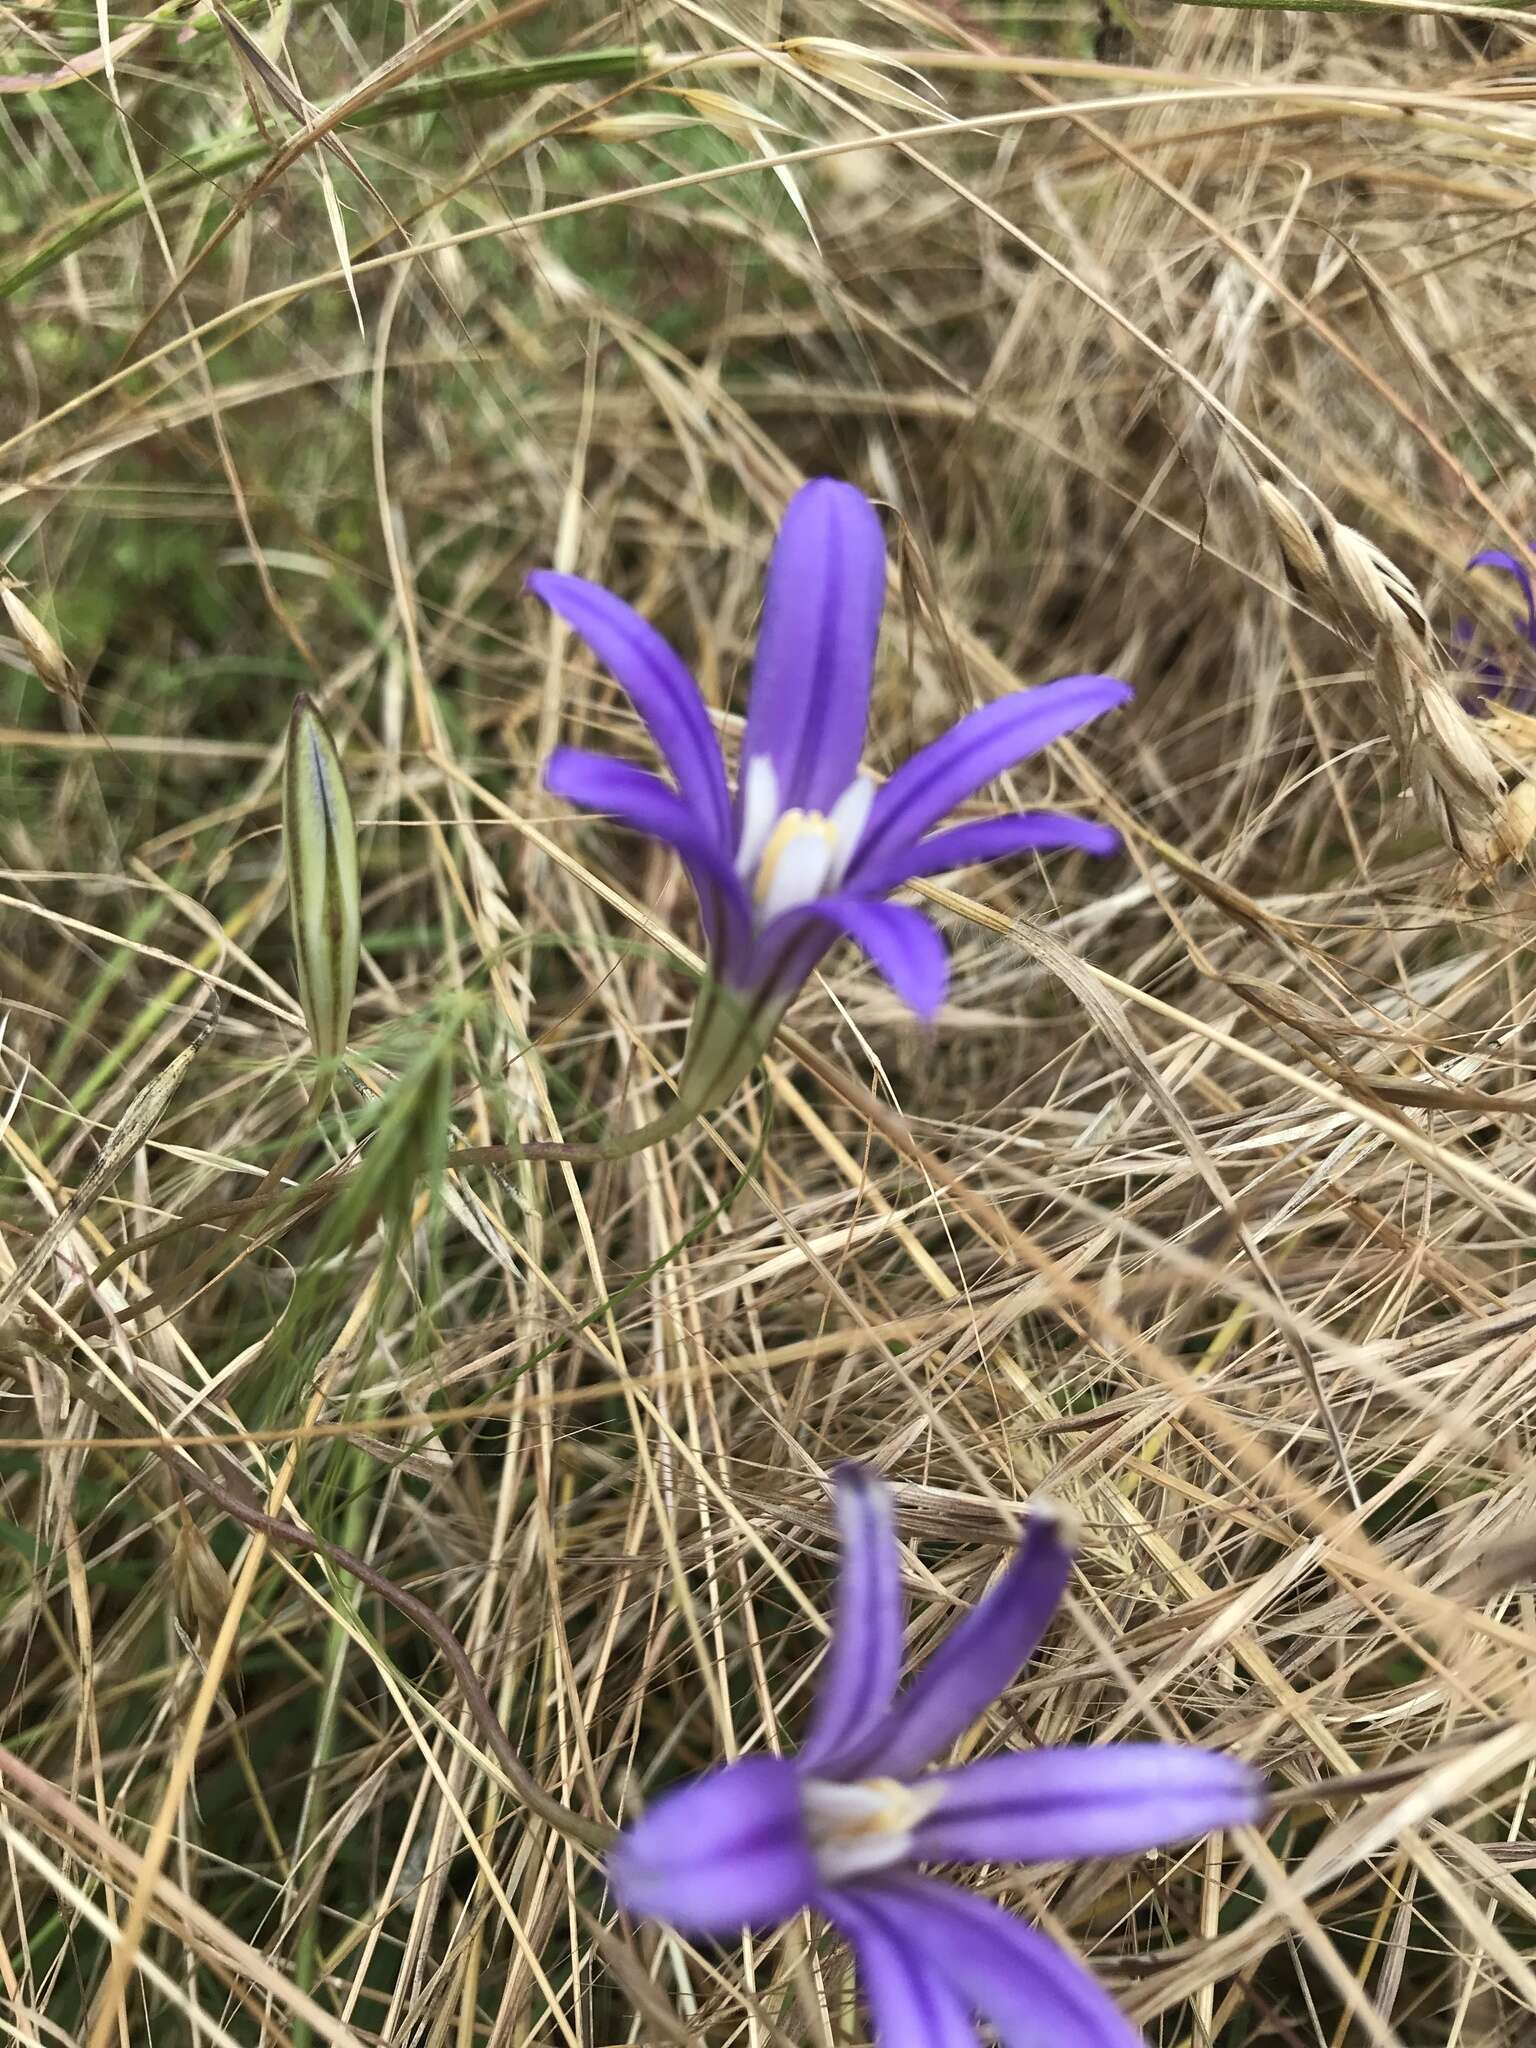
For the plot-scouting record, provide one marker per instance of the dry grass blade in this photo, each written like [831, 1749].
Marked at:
[138, 1122]
[1450, 760]
[1206, 1205]
[42, 650]
[265, 77]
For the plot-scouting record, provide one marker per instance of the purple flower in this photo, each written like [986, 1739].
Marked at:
[1496, 686]
[808, 849]
[843, 1825]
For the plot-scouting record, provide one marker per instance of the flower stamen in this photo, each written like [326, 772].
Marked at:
[796, 861]
[789, 858]
[863, 1826]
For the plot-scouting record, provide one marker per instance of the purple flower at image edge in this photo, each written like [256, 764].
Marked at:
[843, 1826]
[808, 849]
[1496, 685]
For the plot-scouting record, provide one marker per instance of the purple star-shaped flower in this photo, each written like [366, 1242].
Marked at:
[1496, 685]
[843, 1826]
[808, 848]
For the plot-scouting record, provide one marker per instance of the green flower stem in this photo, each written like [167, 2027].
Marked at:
[725, 1042]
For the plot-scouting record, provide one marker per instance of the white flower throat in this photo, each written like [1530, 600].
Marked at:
[791, 857]
[864, 1826]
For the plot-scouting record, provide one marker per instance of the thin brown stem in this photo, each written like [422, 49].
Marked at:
[278, 1529]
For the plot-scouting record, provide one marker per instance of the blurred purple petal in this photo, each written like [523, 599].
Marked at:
[910, 2002]
[1512, 565]
[644, 803]
[859, 1674]
[658, 685]
[721, 1852]
[979, 1658]
[1056, 1805]
[927, 788]
[987, 839]
[1031, 1991]
[634, 796]
[900, 942]
[809, 702]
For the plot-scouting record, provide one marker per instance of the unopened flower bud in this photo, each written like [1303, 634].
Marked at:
[320, 846]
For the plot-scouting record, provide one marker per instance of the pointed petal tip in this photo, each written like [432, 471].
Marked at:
[1090, 697]
[903, 946]
[859, 1675]
[607, 783]
[808, 706]
[573, 597]
[926, 1008]
[1054, 1518]
[1113, 692]
[979, 1657]
[1252, 1799]
[984, 841]
[854, 1476]
[655, 679]
[926, 1002]
[831, 490]
[1100, 840]
[986, 743]
[1069, 1804]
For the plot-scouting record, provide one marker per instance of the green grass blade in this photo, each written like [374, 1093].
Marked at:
[229, 153]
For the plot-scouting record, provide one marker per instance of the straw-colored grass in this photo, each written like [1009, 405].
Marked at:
[1206, 1207]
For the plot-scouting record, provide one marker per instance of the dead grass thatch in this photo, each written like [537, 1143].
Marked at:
[1206, 1208]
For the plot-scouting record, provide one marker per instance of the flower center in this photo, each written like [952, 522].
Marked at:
[790, 857]
[864, 1826]
[797, 860]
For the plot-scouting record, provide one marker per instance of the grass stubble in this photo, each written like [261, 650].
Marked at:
[1205, 1208]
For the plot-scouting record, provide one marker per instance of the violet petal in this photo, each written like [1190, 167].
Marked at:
[724, 1851]
[987, 839]
[911, 2004]
[657, 683]
[809, 702]
[1058, 1805]
[785, 954]
[1031, 1991]
[1512, 565]
[859, 1674]
[900, 942]
[978, 1659]
[642, 802]
[927, 788]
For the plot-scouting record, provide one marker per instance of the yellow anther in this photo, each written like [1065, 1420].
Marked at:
[895, 1808]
